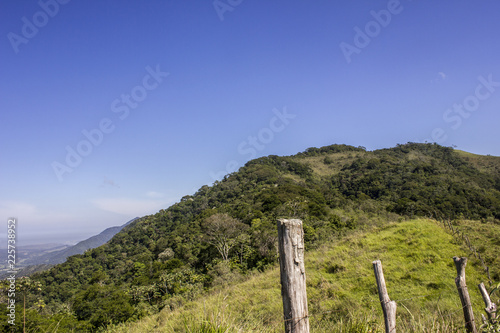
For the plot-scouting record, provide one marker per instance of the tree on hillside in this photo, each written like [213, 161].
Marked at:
[223, 232]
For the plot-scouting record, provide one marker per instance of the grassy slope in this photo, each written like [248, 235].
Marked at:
[418, 267]
[484, 236]
[335, 162]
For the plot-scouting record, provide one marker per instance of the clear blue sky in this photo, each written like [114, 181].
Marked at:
[116, 109]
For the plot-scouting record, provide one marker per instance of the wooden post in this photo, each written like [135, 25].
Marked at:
[491, 308]
[388, 306]
[293, 276]
[460, 264]
[489, 277]
[468, 241]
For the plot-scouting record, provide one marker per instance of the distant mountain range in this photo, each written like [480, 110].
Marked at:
[34, 258]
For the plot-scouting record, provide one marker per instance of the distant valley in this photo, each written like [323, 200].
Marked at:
[39, 257]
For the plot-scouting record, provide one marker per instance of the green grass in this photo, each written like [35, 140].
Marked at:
[338, 161]
[484, 236]
[418, 267]
[488, 164]
[417, 261]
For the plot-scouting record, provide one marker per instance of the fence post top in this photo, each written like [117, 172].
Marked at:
[458, 259]
[295, 222]
[460, 264]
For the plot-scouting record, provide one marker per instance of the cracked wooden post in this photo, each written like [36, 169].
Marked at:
[460, 264]
[293, 276]
[388, 306]
[491, 308]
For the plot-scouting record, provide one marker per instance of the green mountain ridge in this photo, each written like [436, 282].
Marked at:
[162, 260]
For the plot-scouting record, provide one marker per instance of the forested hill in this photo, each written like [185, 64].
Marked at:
[162, 259]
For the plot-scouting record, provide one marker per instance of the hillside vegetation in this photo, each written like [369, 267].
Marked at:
[226, 232]
[419, 271]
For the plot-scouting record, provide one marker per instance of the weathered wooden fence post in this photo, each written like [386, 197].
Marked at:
[491, 308]
[388, 306]
[293, 276]
[460, 264]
